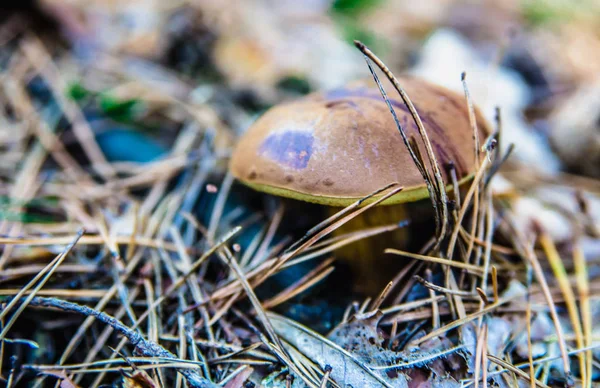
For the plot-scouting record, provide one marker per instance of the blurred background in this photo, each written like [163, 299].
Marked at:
[120, 117]
[535, 60]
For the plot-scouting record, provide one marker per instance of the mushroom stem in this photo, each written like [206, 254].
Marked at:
[369, 267]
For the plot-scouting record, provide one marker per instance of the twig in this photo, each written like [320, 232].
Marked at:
[301, 285]
[41, 60]
[325, 378]
[384, 293]
[348, 209]
[479, 350]
[46, 273]
[528, 324]
[275, 342]
[142, 346]
[105, 334]
[561, 276]
[432, 259]
[460, 322]
[465, 206]
[218, 207]
[87, 240]
[441, 289]
[435, 309]
[428, 357]
[528, 254]
[438, 195]
[269, 268]
[515, 370]
[586, 312]
[476, 197]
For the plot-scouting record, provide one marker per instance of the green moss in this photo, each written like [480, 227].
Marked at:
[118, 109]
[544, 12]
[352, 31]
[77, 92]
[295, 84]
[31, 211]
[353, 6]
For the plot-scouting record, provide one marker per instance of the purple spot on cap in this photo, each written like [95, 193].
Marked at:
[290, 148]
[339, 93]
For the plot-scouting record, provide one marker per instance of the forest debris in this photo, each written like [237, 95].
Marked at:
[345, 367]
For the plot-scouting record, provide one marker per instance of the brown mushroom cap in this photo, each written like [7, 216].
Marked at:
[338, 146]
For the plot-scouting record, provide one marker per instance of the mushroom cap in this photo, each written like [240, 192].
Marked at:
[338, 146]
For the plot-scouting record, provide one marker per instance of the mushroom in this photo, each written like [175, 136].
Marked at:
[335, 147]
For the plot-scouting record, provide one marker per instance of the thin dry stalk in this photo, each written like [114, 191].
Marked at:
[181, 280]
[144, 347]
[100, 305]
[325, 378]
[476, 198]
[192, 280]
[310, 279]
[276, 344]
[586, 311]
[43, 277]
[570, 301]
[332, 244]
[495, 283]
[382, 295]
[88, 240]
[409, 268]
[472, 189]
[435, 310]
[437, 188]
[308, 240]
[105, 334]
[529, 344]
[403, 308]
[479, 350]
[338, 215]
[41, 60]
[261, 253]
[182, 346]
[420, 361]
[44, 133]
[489, 233]
[435, 287]
[460, 322]
[484, 358]
[219, 207]
[432, 259]
[516, 371]
[532, 259]
[153, 322]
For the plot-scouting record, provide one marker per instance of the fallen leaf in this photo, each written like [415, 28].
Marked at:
[239, 380]
[65, 381]
[138, 379]
[346, 370]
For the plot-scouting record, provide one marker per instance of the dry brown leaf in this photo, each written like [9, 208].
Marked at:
[346, 369]
[138, 379]
[65, 381]
[239, 380]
